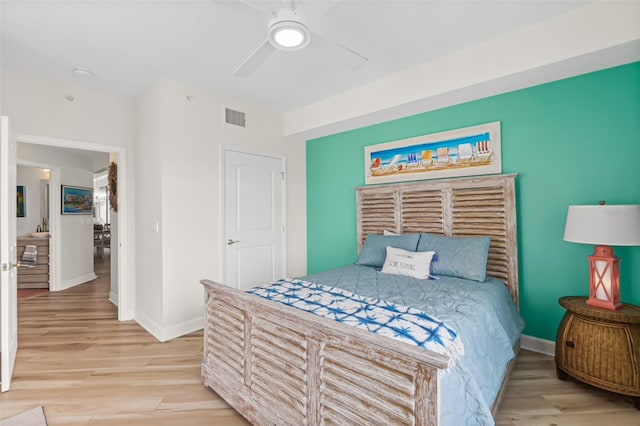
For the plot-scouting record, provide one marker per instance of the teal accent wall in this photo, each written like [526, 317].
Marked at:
[573, 141]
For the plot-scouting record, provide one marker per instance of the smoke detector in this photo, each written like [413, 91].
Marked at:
[82, 72]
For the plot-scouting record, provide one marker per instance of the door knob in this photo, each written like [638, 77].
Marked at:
[11, 265]
[230, 241]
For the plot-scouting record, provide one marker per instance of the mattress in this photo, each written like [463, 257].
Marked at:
[482, 313]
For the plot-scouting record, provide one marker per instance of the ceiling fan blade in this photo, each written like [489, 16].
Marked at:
[352, 59]
[255, 6]
[253, 62]
[312, 9]
[244, 7]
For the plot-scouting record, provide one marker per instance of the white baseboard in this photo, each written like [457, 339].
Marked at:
[167, 333]
[77, 281]
[183, 328]
[148, 324]
[535, 344]
[113, 298]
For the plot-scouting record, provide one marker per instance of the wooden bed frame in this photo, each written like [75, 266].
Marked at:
[279, 365]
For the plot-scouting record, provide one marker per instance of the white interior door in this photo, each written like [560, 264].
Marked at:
[253, 187]
[8, 257]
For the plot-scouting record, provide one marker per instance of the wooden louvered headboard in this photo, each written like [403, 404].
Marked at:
[464, 207]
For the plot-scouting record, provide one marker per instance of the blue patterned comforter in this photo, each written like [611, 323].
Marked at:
[483, 315]
[378, 316]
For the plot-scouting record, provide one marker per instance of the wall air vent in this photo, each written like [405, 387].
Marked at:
[236, 118]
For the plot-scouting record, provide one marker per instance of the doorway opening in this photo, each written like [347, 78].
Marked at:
[122, 294]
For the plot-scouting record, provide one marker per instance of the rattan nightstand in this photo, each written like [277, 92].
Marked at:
[600, 347]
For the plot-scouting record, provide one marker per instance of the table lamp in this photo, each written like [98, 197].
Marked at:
[605, 226]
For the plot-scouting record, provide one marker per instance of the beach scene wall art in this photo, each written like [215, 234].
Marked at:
[468, 151]
[77, 200]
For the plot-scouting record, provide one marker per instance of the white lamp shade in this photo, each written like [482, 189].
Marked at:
[612, 225]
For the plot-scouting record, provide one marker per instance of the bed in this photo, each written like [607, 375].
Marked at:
[276, 364]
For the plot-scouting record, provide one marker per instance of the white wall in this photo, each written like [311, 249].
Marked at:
[56, 157]
[76, 255]
[113, 293]
[30, 178]
[40, 107]
[296, 207]
[148, 169]
[173, 147]
[183, 138]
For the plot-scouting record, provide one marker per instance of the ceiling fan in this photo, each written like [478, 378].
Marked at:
[288, 31]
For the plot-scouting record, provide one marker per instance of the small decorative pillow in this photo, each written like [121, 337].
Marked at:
[463, 257]
[374, 250]
[409, 263]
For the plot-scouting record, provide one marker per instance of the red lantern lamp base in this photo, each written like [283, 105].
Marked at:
[604, 279]
[592, 301]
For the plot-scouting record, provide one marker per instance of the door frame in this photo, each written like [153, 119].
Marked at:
[223, 211]
[126, 293]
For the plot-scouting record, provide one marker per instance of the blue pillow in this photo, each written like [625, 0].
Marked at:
[462, 257]
[374, 250]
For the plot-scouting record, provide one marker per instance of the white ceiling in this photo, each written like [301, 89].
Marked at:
[129, 43]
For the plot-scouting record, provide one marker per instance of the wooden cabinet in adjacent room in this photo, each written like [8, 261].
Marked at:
[38, 276]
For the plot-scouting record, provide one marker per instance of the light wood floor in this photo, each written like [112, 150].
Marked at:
[86, 368]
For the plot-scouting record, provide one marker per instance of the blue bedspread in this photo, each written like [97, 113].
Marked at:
[483, 315]
[403, 323]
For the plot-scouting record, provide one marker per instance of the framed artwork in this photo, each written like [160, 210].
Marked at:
[468, 151]
[113, 186]
[77, 200]
[21, 201]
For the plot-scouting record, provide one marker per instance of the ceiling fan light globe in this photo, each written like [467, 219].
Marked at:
[288, 33]
[288, 37]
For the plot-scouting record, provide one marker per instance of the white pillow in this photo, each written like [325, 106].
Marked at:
[416, 264]
[385, 232]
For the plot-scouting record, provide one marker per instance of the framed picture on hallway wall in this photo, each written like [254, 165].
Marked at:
[77, 200]
[21, 201]
[467, 151]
